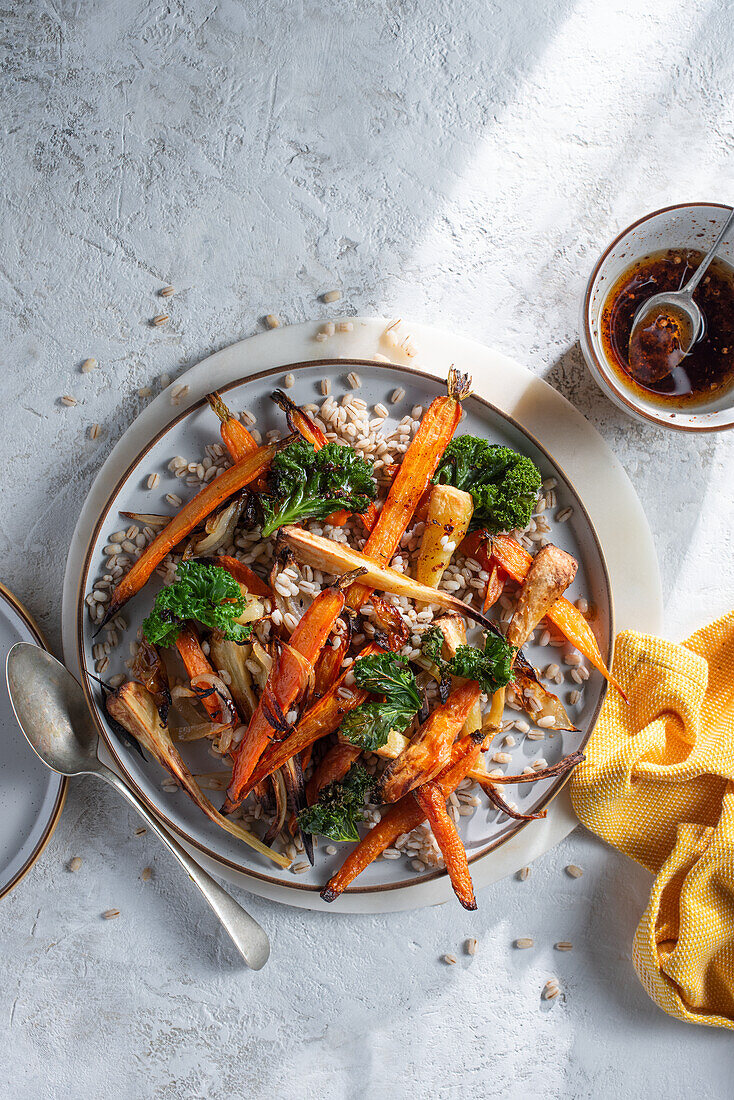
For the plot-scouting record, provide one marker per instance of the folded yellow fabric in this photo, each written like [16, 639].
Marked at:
[657, 783]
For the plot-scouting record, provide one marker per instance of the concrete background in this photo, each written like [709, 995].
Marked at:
[457, 163]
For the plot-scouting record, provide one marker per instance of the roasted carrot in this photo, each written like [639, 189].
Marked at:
[402, 817]
[299, 421]
[432, 802]
[244, 575]
[430, 748]
[285, 684]
[334, 766]
[322, 718]
[475, 546]
[235, 435]
[436, 429]
[495, 588]
[516, 561]
[329, 663]
[202, 505]
[196, 664]
[338, 519]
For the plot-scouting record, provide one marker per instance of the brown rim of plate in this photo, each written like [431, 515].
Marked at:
[53, 820]
[109, 739]
[612, 384]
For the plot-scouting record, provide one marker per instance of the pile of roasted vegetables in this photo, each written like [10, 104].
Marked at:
[303, 700]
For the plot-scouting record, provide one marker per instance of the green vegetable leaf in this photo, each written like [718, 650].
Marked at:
[307, 484]
[340, 806]
[503, 483]
[490, 667]
[432, 646]
[206, 593]
[390, 675]
[368, 726]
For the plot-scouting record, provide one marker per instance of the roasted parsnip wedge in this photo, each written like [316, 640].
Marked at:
[134, 708]
[337, 558]
[449, 515]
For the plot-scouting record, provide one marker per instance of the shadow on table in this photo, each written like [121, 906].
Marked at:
[667, 468]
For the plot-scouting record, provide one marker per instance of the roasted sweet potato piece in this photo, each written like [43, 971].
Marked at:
[235, 435]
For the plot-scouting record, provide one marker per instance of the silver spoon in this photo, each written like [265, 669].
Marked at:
[666, 326]
[53, 714]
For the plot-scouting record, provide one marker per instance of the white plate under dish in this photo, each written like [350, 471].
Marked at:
[387, 885]
[31, 795]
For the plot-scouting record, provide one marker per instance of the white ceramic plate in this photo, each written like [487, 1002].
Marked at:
[511, 387]
[31, 795]
[188, 435]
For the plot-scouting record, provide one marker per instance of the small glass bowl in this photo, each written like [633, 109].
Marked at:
[688, 225]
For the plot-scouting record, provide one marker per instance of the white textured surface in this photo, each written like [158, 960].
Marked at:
[457, 163]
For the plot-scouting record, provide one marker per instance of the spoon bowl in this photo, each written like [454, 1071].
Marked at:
[664, 330]
[53, 715]
[666, 326]
[51, 711]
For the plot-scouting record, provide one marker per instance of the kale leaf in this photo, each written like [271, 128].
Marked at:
[490, 667]
[339, 807]
[390, 675]
[503, 483]
[206, 593]
[307, 484]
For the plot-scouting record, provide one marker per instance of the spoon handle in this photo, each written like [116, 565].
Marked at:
[702, 268]
[248, 937]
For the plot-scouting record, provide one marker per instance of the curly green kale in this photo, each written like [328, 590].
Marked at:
[503, 483]
[308, 484]
[490, 667]
[389, 675]
[432, 646]
[340, 806]
[206, 593]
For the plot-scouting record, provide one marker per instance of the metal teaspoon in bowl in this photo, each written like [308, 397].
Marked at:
[52, 713]
[666, 326]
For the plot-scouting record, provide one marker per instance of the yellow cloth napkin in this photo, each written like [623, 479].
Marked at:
[657, 784]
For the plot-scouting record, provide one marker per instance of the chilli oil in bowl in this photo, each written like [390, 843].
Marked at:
[707, 371]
